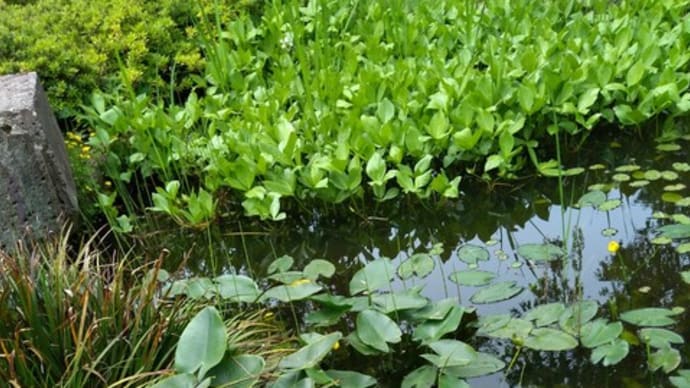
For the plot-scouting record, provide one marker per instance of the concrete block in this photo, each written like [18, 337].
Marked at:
[37, 191]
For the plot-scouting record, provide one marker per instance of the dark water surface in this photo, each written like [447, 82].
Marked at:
[499, 217]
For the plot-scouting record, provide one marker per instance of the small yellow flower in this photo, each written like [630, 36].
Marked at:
[107, 183]
[300, 281]
[85, 149]
[614, 247]
[336, 345]
[268, 316]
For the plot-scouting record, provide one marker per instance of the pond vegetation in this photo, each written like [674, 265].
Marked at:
[357, 194]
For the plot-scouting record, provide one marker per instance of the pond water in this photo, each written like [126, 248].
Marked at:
[499, 218]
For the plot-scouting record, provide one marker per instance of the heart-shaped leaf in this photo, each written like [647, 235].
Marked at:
[202, 344]
[377, 330]
[496, 292]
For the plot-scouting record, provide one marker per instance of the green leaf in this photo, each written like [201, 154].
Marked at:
[541, 252]
[483, 364]
[438, 126]
[576, 315]
[241, 371]
[375, 275]
[660, 338]
[612, 353]
[295, 291]
[319, 267]
[420, 264]
[385, 110]
[548, 339]
[609, 205]
[493, 162]
[450, 353]
[406, 300]
[587, 99]
[422, 377]
[685, 275]
[237, 288]
[185, 380]
[496, 292]
[472, 277]
[293, 379]
[349, 379]
[635, 73]
[599, 332]
[280, 264]
[515, 328]
[675, 231]
[682, 380]
[434, 311]
[448, 381]
[376, 169]
[376, 330]
[470, 253]
[545, 314]
[650, 316]
[202, 344]
[592, 198]
[667, 359]
[433, 330]
[310, 355]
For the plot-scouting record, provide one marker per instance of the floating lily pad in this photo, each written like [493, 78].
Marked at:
[450, 353]
[676, 187]
[472, 277]
[652, 175]
[683, 248]
[660, 338]
[516, 264]
[237, 288]
[668, 147]
[483, 364]
[650, 316]
[349, 379]
[496, 292]
[576, 315]
[661, 240]
[545, 314]
[471, 254]
[681, 219]
[627, 168]
[592, 198]
[501, 254]
[405, 300]
[666, 359]
[548, 339]
[377, 330]
[669, 175]
[287, 293]
[311, 354]
[489, 323]
[375, 275]
[420, 264]
[620, 177]
[319, 267]
[609, 232]
[681, 166]
[675, 231]
[541, 252]
[597, 166]
[685, 202]
[611, 353]
[599, 332]
[515, 328]
[659, 215]
[433, 330]
[639, 183]
[682, 380]
[609, 205]
[491, 243]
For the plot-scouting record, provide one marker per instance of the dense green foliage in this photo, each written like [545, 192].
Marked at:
[77, 46]
[331, 101]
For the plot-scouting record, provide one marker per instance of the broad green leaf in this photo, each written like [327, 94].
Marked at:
[635, 73]
[296, 291]
[293, 379]
[237, 288]
[310, 355]
[433, 330]
[660, 338]
[287, 277]
[350, 379]
[609, 205]
[599, 332]
[280, 264]
[319, 267]
[496, 292]
[682, 379]
[241, 371]
[548, 339]
[541, 252]
[376, 168]
[488, 323]
[385, 111]
[472, 277]
[545, 314]
[493, 162]
[375, 275]
[377, 330]
[685, 275]
[675, 231]
[434, 311]
[650, 316]
[592, 198]
[611, 353]
[326, 316]
[681, 167]
[185, 380]
[450, 353]
[587, 99]
[438, 126]
[652, 175]
[471, 254]
[405, 300]
[420, 264]
[202, 344]
[483, 364]
[515, 328]
[576, 315]
[354, 341]
[668, 359]
[448, 381]
[422, 377]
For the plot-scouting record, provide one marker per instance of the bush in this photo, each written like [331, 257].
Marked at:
[77, 46]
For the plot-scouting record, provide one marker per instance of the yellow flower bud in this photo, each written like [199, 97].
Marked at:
[614, 247]
[336, 345]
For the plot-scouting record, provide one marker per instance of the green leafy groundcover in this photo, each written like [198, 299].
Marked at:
[330, 100]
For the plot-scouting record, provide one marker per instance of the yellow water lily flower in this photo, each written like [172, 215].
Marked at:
[336, 345]
[614, 247]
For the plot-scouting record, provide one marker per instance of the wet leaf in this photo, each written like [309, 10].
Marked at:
[545, 314]
[660, 338]
[319, 267]
[389, 302]
[576, 315]
[241, 371]
[450, 353]
[420, 264]
[237, 288]
[541, 252]
[202, 344]
[548, 339]
[609, 205]
[599, 332]
[483, 364]
[592, 198]
[471, 254]
[297, 291]
[611, 353]
[310, 355]
[422, 377]
[666, 359]
[675, 231]
[472, 277]
[433, 330]
[377, 330]
[650, 316]
[375, 275]
[349, 379]
[496, 292]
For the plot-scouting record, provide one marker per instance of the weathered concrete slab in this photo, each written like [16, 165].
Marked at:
[37, 192]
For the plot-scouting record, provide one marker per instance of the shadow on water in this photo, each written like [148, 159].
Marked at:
[500, 218]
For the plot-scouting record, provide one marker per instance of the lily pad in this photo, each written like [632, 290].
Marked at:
[489, 323]
[652, 175]
[472, 277]
[592, 198]
[483, 364]
[420, 264]
[496, 292]
[433, 330]
[676, 187]
[620, 177]
[650, 316]
[661, 240]
[599, 332]
[576, 315]
[541, 252]
[237, 288]
[350, 379]
[671, 197]
[377, 330]
[241, 371]
[311, 354]
[515, 328]
[627, 168]
[682, 379]
[609, 205]
[685, 275]
[422, 377]
[609, 232]
[611, 353]
[639, 183]
[545, 314]
[450, 353]
[660, 338]
[668, 147]
[471, 254]
[549, 339]
[667, 359]
[375, 275]
[675, 231]
[406, 300]
[319, 267]
[681, 166]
